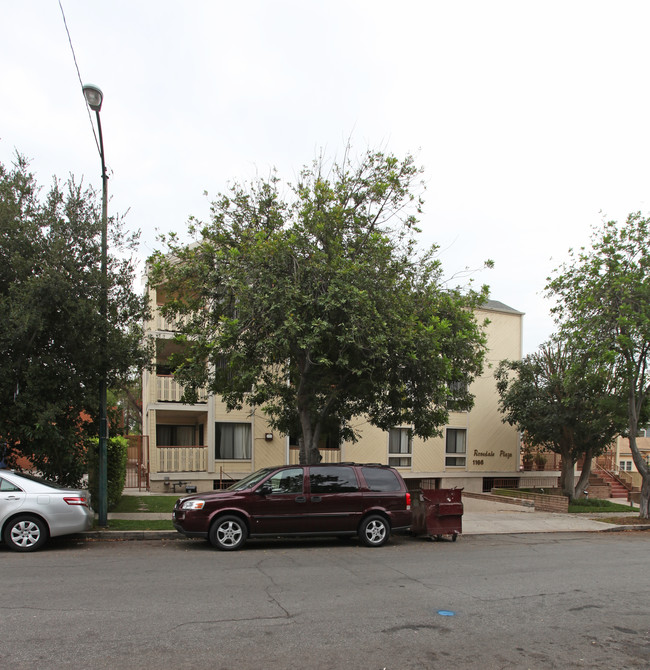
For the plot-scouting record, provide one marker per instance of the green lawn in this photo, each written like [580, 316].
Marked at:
[590, 506]
[129, 504]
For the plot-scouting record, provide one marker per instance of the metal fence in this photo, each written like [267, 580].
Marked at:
[137, 463]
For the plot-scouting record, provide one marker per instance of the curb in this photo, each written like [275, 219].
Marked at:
[632, 526]
[131, 535]
[109, 535]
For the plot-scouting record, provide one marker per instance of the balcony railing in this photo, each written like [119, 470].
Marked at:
[328, 455]
[182, 459]
[166, 325]
[169, 390]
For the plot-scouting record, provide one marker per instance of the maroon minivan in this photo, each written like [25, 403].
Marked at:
[343, 499]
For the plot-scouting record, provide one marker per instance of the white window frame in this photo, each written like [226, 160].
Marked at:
[625, 465]
[403, 458]
[456, 454]
[237, 446]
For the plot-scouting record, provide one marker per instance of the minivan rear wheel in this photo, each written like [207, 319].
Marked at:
[374, 531]
[228, 533]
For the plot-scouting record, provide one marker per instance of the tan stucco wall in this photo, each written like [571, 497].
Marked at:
[492, 446]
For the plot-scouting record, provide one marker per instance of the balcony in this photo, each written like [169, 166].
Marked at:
[328, 455]
[182, 459]
[160, 323]
[169, 390]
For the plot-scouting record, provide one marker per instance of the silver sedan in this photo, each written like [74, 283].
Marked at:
[32, 509]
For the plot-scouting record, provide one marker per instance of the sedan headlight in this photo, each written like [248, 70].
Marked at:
[193, 504]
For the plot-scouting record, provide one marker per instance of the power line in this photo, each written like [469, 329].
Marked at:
[74, 57]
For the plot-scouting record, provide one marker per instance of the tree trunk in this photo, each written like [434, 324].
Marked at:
[309, 451]
[644, 511]
[583, 480]
[641, 465]
[567, 477]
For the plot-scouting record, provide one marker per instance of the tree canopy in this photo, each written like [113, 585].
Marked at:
[51, 358]
[603, 305]
[564, 403]
[312, 302]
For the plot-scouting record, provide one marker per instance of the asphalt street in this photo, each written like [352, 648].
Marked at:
[548, 600]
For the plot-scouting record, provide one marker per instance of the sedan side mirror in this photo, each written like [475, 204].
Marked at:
[265, 490]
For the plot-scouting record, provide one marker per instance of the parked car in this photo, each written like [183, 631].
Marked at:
[347, 499]
[32, 510]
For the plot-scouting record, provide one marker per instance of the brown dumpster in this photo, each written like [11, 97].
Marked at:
[437, 512]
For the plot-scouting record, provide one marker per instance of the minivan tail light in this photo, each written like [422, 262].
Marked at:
[408, 501]
[76, 500]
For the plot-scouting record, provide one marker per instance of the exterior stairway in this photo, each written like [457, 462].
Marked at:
[617, 488]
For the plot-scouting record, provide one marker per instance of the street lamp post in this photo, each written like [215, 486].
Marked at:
[94, 98]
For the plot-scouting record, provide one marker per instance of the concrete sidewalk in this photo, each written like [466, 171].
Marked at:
[484, 517]
[481, 517]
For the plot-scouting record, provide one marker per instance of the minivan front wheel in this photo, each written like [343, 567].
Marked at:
[374, 531]
[228, 533]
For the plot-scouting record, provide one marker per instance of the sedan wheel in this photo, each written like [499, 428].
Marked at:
[25, 533]
[228, 533]
[374, 531]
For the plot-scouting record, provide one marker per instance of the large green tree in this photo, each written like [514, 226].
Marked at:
[603, 305]
[564, 403]
[311, 301]
[51, 329]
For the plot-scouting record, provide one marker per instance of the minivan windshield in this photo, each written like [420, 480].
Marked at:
[251, 480]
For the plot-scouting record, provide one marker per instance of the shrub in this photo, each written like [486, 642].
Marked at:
[116, 457]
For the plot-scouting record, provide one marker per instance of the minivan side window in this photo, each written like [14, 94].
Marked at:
[287, 481]
[379, 479]
[333, 480]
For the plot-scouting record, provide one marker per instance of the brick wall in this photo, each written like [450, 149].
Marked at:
[540, 501]
[600, 491]
[500, 499]
[544, 502]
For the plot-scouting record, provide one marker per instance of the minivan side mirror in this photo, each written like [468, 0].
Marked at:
[265, 490]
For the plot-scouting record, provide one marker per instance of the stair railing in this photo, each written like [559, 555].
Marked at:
[614, 476]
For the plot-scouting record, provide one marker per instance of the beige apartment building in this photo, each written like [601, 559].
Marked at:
[205, 446]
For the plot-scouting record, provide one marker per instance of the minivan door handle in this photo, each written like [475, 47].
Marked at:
[301, 499]
[316, 499]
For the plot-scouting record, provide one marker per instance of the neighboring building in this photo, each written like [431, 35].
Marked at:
[207, 447]
[624, 460]
[622, 463]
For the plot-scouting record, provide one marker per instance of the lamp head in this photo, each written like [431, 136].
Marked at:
[94, 96]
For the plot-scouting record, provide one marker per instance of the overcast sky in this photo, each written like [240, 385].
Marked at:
[530, 118]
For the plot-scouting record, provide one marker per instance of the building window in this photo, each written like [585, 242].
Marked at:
[457, 391]
[626, 466]
[455, 446]
[400, 447]
[177, 436]
[223, 369]
[232, 441]
[168, 354]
